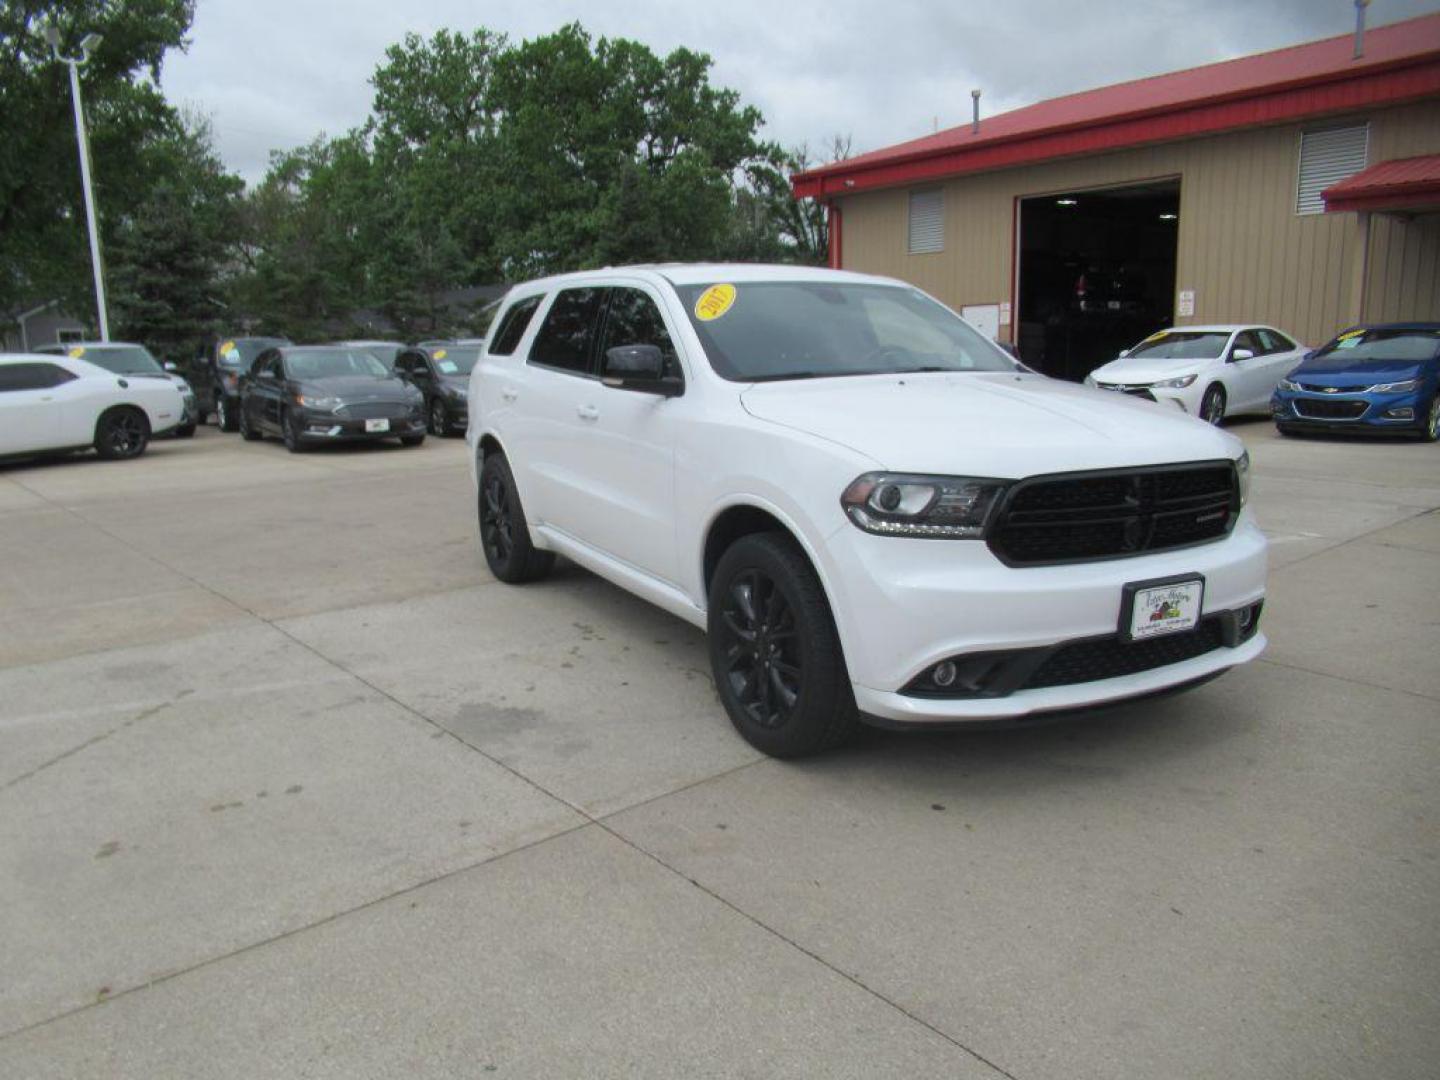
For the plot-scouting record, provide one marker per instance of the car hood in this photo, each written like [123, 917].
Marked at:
[358, 388]
[1337, 370]
[991, 424]
[1130, 371]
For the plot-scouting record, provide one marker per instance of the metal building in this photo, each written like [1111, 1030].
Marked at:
[1299, 188]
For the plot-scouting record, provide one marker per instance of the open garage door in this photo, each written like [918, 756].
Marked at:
[1097, 273]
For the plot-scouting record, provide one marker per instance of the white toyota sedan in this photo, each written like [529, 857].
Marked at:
[1209, 371]
[871, 509]
[52, 404]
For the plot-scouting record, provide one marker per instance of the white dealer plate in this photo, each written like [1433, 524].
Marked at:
[377, 425]
[1155, 608]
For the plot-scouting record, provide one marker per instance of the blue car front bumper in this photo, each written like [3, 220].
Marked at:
[1362, 410]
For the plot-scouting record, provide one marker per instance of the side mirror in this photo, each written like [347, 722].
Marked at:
[171, 366]
[1124, 353]
[1242, 354]
[638, 367]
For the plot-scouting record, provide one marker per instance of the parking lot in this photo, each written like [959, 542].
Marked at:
[289, 786]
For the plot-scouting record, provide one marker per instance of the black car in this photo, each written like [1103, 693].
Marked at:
[441, 372]
[312, 394]
[230, 358]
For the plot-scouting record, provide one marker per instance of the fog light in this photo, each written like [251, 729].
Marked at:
[945, 673]
[1247, 616]
[1400, 414]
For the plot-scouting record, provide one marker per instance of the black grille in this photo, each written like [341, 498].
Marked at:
[375, 410]
[1111, 658]
[1321, 409]
[1077, 517]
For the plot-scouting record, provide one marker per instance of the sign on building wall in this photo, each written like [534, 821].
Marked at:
[1185, 306]
[984, 317]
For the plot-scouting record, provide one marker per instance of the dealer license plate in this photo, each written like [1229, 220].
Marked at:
[377, 425]
[1156, 608]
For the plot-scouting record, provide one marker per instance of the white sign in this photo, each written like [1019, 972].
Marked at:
[984, 317]
[1186, 306]
[1005, 313]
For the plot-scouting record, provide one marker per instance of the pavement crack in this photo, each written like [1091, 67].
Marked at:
[92, 741]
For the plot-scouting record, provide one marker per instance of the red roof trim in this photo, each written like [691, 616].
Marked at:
[1403, 184]
[1319, 92]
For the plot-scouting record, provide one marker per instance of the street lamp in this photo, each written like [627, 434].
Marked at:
[88, 45]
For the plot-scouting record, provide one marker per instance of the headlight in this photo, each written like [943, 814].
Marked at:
[1405, 387]
[933, 507]
[1242, 470]
[1176, 384]
[321, 404]
[1286, 384]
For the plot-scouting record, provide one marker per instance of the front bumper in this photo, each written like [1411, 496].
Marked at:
[315, 426]
[1342, 410]
[1186, 399]
[904, 605]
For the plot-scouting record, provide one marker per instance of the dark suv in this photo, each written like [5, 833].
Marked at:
[441, 371]
[220, 370]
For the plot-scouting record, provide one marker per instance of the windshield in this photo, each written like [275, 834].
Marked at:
[332, 364]
[1412, 346]
[120, 359]
[241, 352]
[1182, 345]
[384, 351]
[770, 330]
[455, 359]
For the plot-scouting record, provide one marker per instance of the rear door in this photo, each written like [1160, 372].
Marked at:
[1247, 376]
[29, 410]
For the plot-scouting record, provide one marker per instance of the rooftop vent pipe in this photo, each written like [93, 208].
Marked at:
[1360, 6]
[975, 99]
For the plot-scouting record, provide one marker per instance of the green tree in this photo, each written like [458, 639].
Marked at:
[43, 247]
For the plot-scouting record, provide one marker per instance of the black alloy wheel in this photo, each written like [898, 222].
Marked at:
[1431, 431]
[774, 649]
[439, 421]
[122, 433]
[290, 433]
[1212, 405]
[504, 534]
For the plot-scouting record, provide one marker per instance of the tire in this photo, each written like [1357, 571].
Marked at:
[439, 419]
[225, 414]
[248, 433]
[504, 534]
[185, 432]
[122, 433]
[411, 440]
[289, 434]
[1288, 430]
[774, 650]
[1212, 405]
[1431, 431]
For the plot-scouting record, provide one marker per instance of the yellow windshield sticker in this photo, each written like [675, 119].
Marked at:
[76, 353]
[226, 346]
[440, 354]
[1350, 334]
[714, 302]
[1159, 335]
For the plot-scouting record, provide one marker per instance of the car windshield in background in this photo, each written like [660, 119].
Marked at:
[241, 354]
[333, 364]
[1179, 345]
[1403, 345]
[121, 359]
[455, 359]
[385, 352]
[769, 330]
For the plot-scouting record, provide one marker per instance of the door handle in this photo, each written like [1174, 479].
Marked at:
[509, 395]
[587, 412]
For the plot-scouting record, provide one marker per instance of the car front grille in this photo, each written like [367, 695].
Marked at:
[1133, 391]
[1079, 517]
[1324, 409]
[374, 410]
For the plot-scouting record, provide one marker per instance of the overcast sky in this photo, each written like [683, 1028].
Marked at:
[273, 74]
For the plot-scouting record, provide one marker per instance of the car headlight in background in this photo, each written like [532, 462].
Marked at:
[1406, 386]
[1178, 383]
[1286, 384]
[932, 507]
[320, 404]
[1242, 471]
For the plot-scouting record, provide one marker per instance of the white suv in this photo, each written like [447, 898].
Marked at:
[873, 511]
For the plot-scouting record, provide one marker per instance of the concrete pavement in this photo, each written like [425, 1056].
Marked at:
[290, 786]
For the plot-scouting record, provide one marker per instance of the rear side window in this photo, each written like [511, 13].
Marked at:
[568, 332]
[32, 376]
[1274, 341]
[513, 326]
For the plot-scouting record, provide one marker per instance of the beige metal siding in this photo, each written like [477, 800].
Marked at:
[1242, 248]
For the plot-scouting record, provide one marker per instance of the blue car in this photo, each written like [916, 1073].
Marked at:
[1369, 379]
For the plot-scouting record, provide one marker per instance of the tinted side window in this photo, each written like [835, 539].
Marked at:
[1247, 340]
[512, 328]
[1275, 341]
[569, 330]
[634, 319]
[32, 376]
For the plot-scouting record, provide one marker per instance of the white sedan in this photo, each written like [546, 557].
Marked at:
[1208, 371]
[59, 403]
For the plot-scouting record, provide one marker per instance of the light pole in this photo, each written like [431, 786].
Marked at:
[87, 45]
